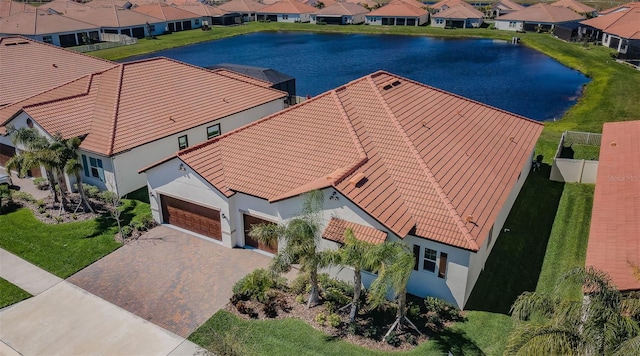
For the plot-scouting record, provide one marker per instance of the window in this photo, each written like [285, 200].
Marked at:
[196, 22]
[213, 131]
[95, 165]
[152, 28]
[439, 21]
[416, 257]
[182, 142]
[512, 24]
[285, 17]
[442, 268]
[429, 262]
[47, 39]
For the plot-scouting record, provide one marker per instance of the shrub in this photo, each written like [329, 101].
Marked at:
[393, 339]
[330, 306]
[300, 299]
[58, 219]
[336, 296]
[352, 329]
[411, 339]
[334, 320]
[321, 318]
[370, 331]
[299, 284]
[24, 196]
[270, 309]
[91, 191]
[444, 310]
[413, 311]
[126, 231]
[40, 203]
[41, 183]
[42, 210]
[257, 284]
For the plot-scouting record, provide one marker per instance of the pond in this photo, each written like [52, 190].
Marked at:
[511, 77]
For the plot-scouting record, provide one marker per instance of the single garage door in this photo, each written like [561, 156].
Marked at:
[248, 222]
[6, 152]
[197, 218]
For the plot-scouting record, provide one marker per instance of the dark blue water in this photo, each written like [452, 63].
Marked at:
[510, 77]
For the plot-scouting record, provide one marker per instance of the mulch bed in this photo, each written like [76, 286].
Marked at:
[288, 307]
[50, 212]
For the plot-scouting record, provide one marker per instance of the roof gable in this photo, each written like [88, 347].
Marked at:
[288, 7]
[419, 160]
[460, 11]
[242, 6]
[542, 13]
[342, 8]
[336, 229]
[164, 12]
[575, 6]
[399, 8]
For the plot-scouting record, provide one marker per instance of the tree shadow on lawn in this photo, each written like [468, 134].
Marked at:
[455, 342]
[515, 262]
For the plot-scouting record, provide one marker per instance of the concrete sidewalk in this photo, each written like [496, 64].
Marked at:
[62, 319]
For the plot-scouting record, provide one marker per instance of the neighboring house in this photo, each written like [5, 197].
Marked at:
[273, 78]
[503, 7]
[319, 4]
[340, 13]
[445, 4]
[286, 11]
[399, 13]
[396, 159]
[577, 6]
[212, 15]
[117, 20]
[137, 113]
[367, 4]
[8, 7]
[618, 29]
[49, 26]
[614, 236]
[246, 8]
[55, 66]
[459, 16]
[539, 17]
[175, 18]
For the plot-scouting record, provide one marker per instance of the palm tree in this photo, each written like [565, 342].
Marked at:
[37, 153]
[359, 255]
[301, 237]
[68, 163]
[603, 322]
[395, 264]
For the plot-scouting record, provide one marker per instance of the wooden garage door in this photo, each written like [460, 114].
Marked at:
[6, 152]
[248, 222]
[192, 217]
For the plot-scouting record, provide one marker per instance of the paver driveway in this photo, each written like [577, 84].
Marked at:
[170, 278]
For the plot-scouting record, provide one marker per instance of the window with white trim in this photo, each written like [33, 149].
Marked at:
[94, 168]
[429, 260]
[183, 142]
[213, 131]
[285, 17]
[512, 24]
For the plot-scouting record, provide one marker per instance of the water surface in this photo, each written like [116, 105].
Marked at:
[510, 77]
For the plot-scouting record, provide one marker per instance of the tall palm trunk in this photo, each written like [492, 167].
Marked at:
[314, 294]
[83, 198]
[357, 290]
[52, 184]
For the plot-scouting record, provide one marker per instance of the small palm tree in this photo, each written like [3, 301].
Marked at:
[68, 163]
[603, 322]
[359, 255]
[301, 237]
[395, 264]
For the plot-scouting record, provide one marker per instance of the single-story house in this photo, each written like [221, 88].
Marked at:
[614, 236]
[246, 8]
[396, 159]
[275, 79]
[136, 113]
[459, 16]
[212, 15]
[399, 13]
[340, 13]
[10, 7]
[286, 11]
[175, 18]
[117, 20]
[618, 29]
[538, 17]
[577, 6]
[319, 4]
[503, 7]
[49, 26]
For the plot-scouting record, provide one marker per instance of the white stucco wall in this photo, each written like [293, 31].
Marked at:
[505, 25]
[294, 17]
[478, 259]
[373, 20]
[128, 163]
[20, 121]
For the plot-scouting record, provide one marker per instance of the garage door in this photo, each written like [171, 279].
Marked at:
[197, 218]
[248, 222]
[6, 152]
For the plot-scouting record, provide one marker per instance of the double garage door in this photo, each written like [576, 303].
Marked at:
[197, 218]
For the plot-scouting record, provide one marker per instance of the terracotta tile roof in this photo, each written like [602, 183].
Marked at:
[542, 13]
[460, 11]
[418, 159]
[441, 5]
[508, 5]
[242, 6]
[619, 8]
[342, 8]
[119, 3]
[54, 66]
[337, 227]
[288, 7]
[41, 22]
[624, 23]
[370, 3]
[164, 12]
[202, 9]
[245, 78]
[614, 237]
[121, 108]
[313, 3]
[400, 8]
[8, 7]
[110, 16]
[62, 5]
[574, 5]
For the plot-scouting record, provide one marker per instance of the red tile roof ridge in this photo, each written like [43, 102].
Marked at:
[114, 118]
[347, 121]
[225, 72]
[423, 165]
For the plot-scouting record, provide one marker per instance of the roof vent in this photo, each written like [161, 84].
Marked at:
[396, 83]
[357, 178]
[387, 87]
[469, 218]
[613, 144]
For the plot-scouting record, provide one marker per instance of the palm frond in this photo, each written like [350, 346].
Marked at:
[532, 339]
[629, 347]
[529, 304]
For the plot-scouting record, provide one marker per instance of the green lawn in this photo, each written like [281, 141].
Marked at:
[62, 249]
[10, 294]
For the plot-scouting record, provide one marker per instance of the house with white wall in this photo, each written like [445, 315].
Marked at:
[538, 17]
[462, 15]
[176, 19]
[137, 113]
[395, 159]
[286, 11]
[340, 13]
[618, 28]
[399, 13]
[246, 8]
